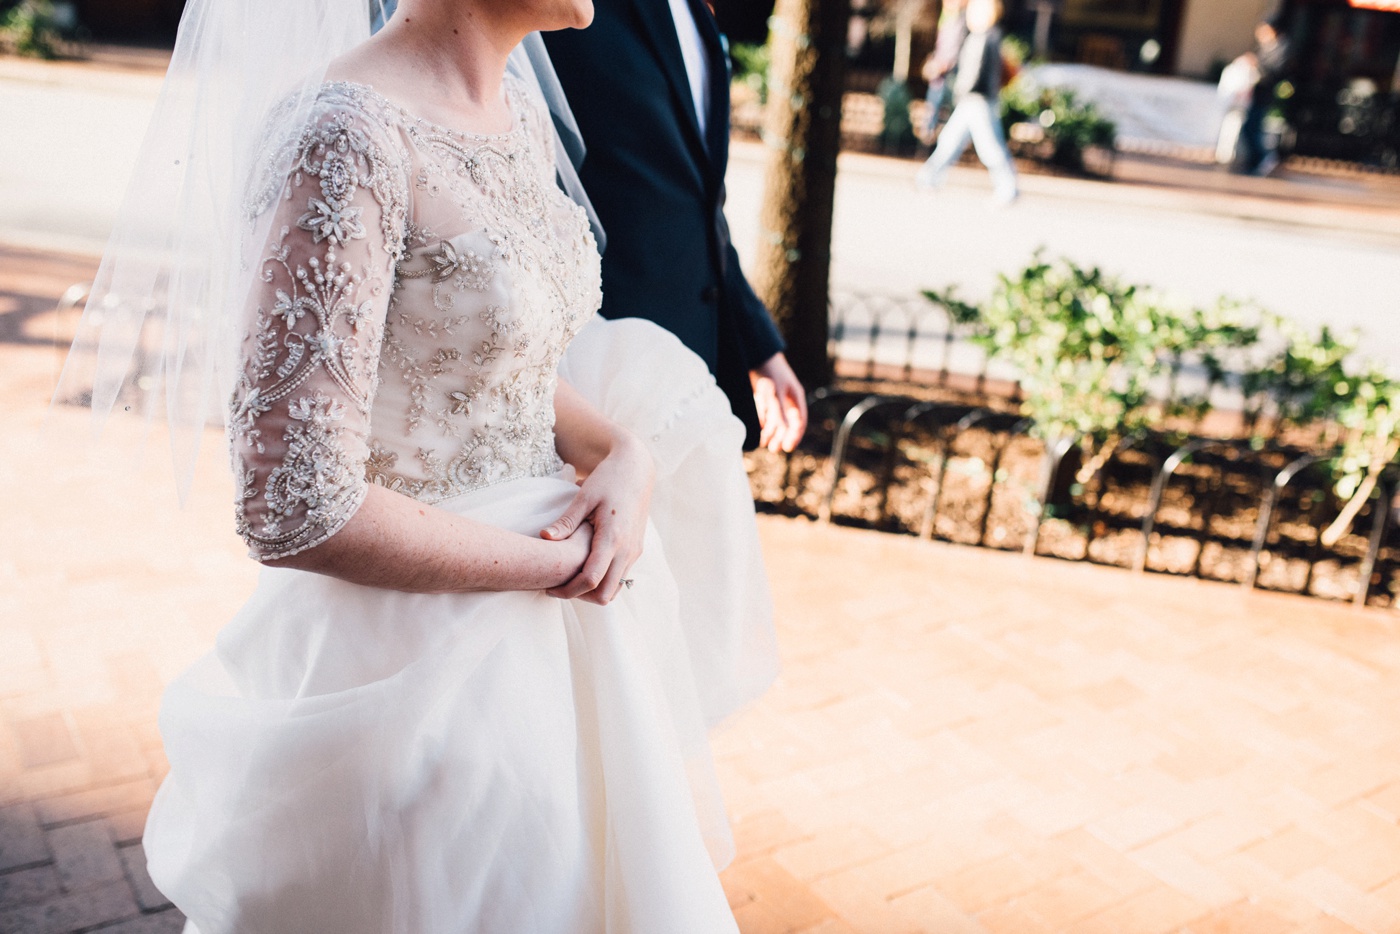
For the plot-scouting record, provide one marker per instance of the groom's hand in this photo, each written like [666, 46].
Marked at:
[781, 402]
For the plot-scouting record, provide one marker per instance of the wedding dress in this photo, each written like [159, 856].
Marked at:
[349, 759]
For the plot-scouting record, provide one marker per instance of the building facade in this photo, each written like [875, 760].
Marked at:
[1343, 99]
[1346, 94]
[1336, 40]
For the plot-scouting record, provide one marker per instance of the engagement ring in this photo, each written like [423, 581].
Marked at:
[628, 582]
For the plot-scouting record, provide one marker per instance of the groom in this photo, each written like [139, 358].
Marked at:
[648, 83]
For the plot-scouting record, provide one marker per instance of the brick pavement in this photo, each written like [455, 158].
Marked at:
[965, 741]
[961, 741]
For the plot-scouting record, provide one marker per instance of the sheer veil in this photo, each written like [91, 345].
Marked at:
[157, 337]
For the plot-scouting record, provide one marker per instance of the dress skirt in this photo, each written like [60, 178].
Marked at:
[350, 760]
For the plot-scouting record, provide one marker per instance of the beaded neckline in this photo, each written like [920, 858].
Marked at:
[512, 104]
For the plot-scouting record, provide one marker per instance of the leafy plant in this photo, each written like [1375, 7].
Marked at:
[1093, 354]
[1310, 384]
[897, 129]
[36, 28]
[1090, 349]
[1016, 50]
[1301, 380]
[1070, 127]
[751, 63]
[1370, 419]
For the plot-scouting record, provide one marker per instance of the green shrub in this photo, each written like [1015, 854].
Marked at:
[1071, 127]
[1090, 350]
[751, 63]
[35, 28]
[897, 129]
[1093, 353]
[1310, 383]
[1300, 382]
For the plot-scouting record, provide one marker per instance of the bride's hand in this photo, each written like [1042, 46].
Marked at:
[614, 500]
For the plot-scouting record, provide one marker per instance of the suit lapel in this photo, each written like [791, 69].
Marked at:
[660, 30]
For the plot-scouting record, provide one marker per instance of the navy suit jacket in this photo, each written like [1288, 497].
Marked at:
[657, 184]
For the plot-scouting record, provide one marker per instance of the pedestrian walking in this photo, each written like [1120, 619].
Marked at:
[1234, 92]
[1272, 57]
[976, 118]
[940, 68]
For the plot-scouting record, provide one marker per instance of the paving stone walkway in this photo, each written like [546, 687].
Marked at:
[965, 741]
[961, 740]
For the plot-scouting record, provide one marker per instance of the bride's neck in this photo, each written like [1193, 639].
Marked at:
[455, 49]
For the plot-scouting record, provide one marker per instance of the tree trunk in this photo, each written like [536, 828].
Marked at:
[906, 12]
[802, 129]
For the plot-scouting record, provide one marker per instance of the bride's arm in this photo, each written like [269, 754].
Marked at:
[613, 498]
[306, 381]
[397, 543]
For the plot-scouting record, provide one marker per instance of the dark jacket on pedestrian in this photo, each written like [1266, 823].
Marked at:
[1273, 61]
[979, 66]
[657, 184]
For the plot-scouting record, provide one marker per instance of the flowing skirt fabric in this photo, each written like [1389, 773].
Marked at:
[358, 761]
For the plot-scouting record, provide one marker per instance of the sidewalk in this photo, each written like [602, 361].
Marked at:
[960, 741]
[1358, 202]
[1319, 250]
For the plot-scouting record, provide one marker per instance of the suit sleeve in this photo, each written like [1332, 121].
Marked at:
[758, 335]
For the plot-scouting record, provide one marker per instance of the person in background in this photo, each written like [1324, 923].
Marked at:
[1272, 57]
[1234, 92]
[648, 83]
[940, 67]
[975, 118]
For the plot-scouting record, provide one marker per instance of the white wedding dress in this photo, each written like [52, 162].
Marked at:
[357, 761]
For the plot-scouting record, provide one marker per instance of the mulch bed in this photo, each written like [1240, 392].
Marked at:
[1101, 524]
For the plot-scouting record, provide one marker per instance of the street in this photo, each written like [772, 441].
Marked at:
[1320, 250]
[1336, 263]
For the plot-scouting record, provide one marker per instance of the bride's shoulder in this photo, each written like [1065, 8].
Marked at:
[356, 102]
[336, 121]
[335, 106]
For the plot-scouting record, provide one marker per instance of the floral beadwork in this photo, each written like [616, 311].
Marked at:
[415, 300]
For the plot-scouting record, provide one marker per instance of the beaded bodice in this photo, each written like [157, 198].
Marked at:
[414, 301]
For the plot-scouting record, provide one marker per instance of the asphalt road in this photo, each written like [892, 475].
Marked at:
[1334, 261]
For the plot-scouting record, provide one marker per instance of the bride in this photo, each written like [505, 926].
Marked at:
[499, 608]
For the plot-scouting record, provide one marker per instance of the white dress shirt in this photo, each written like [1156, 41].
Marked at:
[697, 60]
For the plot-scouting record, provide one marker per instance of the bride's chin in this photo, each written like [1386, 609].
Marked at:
[528, 15]
[581, 16]
[572, 14]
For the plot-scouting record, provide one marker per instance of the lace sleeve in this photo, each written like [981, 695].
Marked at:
[308, 364]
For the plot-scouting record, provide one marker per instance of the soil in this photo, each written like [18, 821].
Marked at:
[991, 489]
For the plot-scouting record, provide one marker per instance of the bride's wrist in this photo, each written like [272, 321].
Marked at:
[628, 447]
[559, 562]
